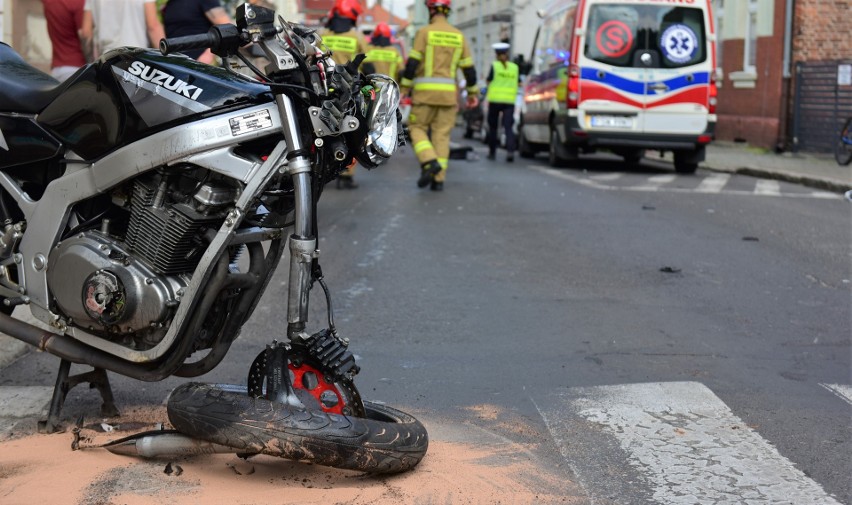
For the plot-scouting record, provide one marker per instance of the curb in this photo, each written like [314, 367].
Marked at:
[813, 182]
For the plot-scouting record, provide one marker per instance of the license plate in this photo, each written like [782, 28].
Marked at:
[612, 121]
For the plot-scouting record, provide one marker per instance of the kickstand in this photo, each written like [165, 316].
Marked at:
[97, 378]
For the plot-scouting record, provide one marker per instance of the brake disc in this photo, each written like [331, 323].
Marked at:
[314, 385]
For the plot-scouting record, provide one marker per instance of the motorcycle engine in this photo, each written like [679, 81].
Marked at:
[126, 286]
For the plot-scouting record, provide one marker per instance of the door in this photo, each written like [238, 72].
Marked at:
[645, 69]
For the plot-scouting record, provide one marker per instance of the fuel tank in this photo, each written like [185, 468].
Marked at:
[130, 93]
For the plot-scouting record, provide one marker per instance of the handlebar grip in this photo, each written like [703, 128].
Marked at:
[177, 44]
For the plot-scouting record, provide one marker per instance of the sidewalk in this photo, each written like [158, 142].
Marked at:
[814, 170]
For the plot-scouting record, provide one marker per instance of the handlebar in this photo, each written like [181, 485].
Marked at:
[178, 44]
[221, 39]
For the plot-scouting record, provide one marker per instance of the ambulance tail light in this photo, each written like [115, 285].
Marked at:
[572, 97]
[711, 99]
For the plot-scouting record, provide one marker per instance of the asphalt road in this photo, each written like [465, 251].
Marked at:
[562, 309]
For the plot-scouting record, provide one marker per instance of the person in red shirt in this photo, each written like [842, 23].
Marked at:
[64, 18]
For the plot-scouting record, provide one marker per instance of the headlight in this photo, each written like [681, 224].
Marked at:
[383, 130]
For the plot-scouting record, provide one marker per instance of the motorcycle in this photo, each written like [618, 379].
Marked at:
[145, 204]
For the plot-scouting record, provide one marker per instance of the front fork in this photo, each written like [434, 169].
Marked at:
[303, 244]
[327, 352]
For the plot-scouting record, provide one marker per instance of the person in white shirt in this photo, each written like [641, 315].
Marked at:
[109, 24]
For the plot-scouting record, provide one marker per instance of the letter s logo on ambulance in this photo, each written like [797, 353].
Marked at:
[614, 38]
[168, 81]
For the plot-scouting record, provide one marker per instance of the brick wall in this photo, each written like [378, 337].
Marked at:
[822, 30]
[754, 114]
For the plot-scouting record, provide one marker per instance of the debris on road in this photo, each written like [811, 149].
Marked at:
[173, 469]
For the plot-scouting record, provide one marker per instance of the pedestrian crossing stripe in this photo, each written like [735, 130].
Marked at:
[687, 445]
[712, 184]
[844, 392]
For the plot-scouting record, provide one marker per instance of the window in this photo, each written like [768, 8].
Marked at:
[720, 20]
[617, 34]
[750, 46]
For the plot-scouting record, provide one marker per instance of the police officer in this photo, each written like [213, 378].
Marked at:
[382, 54]
[502, 90]
[430, 73]
[345, 42]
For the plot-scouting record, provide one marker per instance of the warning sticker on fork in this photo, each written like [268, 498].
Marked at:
[248, 123]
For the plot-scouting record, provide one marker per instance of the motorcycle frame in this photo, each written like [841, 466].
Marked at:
[206, 143]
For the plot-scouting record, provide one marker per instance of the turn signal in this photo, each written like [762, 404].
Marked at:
[573, 96]
[711, 99]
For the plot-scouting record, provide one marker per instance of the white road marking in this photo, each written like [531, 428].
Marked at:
[380, 243]
[607, 177]
[655, 182]
[599, 184]
[713, 183]
[840, 390]
[688, 444]
[767, 187]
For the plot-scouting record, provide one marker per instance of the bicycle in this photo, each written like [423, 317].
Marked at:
[843, 147]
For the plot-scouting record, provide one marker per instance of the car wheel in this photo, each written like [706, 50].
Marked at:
[525, 150]
[553, 155]
[684, 165]
[633, 156]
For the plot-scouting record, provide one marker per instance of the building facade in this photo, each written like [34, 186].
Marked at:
[485, 22]
[769, 52]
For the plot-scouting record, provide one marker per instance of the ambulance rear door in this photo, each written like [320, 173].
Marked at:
[645, 67]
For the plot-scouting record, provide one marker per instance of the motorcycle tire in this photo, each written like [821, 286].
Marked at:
[386, 441]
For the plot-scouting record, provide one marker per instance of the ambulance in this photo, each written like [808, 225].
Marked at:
[622, 75]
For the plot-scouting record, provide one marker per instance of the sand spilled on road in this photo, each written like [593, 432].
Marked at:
[42, 469]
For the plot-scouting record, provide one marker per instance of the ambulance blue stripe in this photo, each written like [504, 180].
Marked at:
[638, 87]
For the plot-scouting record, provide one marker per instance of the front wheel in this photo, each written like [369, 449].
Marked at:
[385, 441]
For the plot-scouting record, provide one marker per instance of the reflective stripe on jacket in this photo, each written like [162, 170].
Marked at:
[343, 46]
[503, 88]
[441, 50]
[386, 60]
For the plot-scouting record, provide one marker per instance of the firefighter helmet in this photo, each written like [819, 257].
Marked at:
[436, 4]
[349, 9]
[382, 30]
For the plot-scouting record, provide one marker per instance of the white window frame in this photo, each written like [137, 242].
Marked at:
[746, 77]
[750, 39]
[719, 10]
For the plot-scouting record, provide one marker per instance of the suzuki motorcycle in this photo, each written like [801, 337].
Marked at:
[144, 205]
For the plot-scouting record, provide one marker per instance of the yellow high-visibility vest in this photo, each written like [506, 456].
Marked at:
[504, 86]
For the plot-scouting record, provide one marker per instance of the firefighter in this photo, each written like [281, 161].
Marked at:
[345, 42]
[382, 54]
[430, 73]
[502, 90]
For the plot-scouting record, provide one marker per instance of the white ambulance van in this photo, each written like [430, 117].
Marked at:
[624, 75]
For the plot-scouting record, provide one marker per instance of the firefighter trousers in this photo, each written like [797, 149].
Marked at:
[439, 119]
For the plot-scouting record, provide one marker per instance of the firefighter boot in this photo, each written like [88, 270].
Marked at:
[427, 173]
